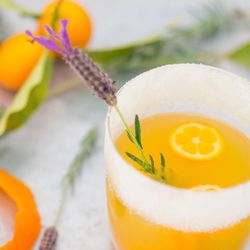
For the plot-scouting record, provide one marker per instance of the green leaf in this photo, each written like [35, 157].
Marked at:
[138, 130]
[130, 137]
[135, 158]
[241, 55]
[152, 164]
[29, 97]
[163, 164]
[13, 6]
[138, 161]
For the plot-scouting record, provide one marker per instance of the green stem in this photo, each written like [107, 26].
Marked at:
[64, 87]
[87, 146]
[140, 150]
[62, 205]
[19, 9]
[30, 14]
[56, 13]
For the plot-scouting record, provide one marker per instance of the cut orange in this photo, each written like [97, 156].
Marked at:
[196, 141]
[27, 219]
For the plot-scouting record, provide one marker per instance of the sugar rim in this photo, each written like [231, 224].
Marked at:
[181, 209]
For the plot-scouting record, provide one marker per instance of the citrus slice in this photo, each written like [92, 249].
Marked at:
[196, 141]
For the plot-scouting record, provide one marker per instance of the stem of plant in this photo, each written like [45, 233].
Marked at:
[62, 204]
[87, 146]
[64, 87]
[56, 15]
[30, 14]
[140, 150]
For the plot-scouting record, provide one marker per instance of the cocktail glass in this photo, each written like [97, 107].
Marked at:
[148, 215]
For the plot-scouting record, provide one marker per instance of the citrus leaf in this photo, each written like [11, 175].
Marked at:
[13, 6]
[29, 97]
[241, 55]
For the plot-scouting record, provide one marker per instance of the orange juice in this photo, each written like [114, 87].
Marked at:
[228, 167]
[186, 172]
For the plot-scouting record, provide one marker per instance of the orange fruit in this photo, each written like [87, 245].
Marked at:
[196, 141]
[17, 60]
[79, 27]
[27, 220]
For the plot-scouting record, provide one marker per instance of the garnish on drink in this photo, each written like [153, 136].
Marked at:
[200, 150]
[197, 141]
[101, 85]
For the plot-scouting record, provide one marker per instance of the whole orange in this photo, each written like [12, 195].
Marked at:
[17, 60]
[79, 27]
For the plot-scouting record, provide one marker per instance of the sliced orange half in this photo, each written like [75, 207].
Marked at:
[196, 141]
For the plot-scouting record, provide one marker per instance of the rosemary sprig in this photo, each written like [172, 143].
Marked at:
[135, 138]
[132, 137]
[50, 236]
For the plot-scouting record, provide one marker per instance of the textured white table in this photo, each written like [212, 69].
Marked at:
[40, 152]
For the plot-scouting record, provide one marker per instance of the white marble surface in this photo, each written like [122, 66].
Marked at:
[40, 152]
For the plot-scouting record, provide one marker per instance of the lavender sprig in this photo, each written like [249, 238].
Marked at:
[49, 239]
[99, 83]
[96, 80]
[50, 236]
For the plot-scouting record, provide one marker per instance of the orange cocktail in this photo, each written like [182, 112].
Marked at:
[203, 202]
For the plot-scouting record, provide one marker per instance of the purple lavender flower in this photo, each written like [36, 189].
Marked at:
[49, 239]
[99, 83]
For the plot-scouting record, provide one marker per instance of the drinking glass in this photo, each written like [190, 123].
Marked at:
[145, 214]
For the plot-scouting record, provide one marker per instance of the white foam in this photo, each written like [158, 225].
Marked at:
[181, 87]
